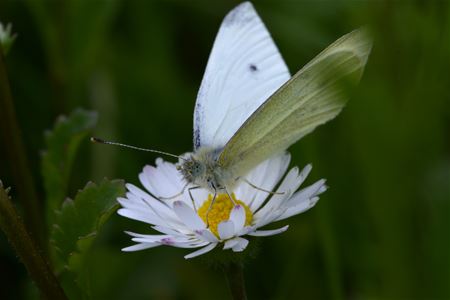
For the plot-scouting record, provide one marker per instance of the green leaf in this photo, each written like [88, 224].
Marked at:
[78, 223]
[62, 144]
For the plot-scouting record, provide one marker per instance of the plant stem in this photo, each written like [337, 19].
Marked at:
[15, 151]
[26, 249]
[235, 278]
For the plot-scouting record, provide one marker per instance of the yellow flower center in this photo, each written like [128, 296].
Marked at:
[220, 211]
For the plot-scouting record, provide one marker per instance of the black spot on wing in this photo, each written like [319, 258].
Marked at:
[253, 68]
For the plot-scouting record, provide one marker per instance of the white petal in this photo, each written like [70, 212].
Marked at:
[269, 232]
[311, 191]
[148, 208]
[267, 212]
[157, 185]
[188, 216]
[290, 184]
[201, 251]
[138, 247]
[165, 212]
[226, 229]
[207, 235]
[138, 192]
[134, 203]
[245, 230]
[265, 176]
[141, 210]
[241, 245]
[146, 182]
[305, 172]
[169, 170]
[122, 201]
[171, 231]
[302, 200]
[287, 185]
[237, 216]
[161, 181]
[125, 203]
[322, 189]
[298, 209]
[133, 234]
[199, 195]
[140, 216]
[191, 244]
[162, 239]
[270, 217]
[230, 243]
[140, 235]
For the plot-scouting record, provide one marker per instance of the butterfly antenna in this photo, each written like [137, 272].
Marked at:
[100, 141]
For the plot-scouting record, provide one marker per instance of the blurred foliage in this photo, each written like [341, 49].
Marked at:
[62, 144]
[6, 38]
[380, 232]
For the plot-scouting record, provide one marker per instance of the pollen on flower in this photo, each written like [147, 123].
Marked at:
[220, 211]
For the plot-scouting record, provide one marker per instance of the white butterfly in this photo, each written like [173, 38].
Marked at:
[249, 108]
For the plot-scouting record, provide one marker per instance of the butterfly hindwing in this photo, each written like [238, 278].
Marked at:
[313, 96]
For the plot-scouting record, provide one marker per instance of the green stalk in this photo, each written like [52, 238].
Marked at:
[26, 249]
[16, 156]
[235, 277]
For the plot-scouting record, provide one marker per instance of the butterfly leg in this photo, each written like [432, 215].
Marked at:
[258, 188]
[210, 206]
[231, 198]
[174, 196]
[192, 198]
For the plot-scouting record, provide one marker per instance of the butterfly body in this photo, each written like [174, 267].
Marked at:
[201, 168]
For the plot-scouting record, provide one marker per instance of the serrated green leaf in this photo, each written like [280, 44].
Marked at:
[78, 223]
[62, 144]
[79, 220]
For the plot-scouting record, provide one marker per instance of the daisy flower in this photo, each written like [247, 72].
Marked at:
[185, 222]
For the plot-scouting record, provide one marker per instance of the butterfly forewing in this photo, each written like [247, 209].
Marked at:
[313, 96]
[243, 70]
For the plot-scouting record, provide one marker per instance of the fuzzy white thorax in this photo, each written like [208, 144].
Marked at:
[201, 169]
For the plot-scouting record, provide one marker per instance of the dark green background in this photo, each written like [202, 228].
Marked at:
[382, 229]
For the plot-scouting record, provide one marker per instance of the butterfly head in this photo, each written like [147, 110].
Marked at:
[201, 169]
[192, 169]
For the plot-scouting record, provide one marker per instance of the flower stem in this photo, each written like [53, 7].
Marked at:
[16, 155]
[26, 249]
[235, 277]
